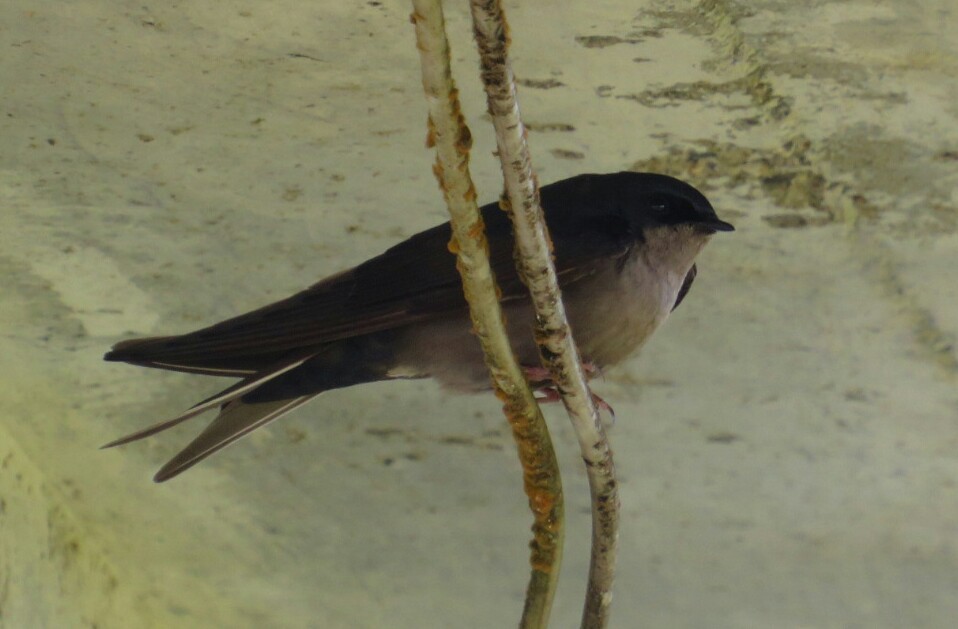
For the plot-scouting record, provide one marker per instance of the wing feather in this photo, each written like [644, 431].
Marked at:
[223, 397]
[413, 281]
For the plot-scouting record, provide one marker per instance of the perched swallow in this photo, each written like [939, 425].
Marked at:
[624, 247]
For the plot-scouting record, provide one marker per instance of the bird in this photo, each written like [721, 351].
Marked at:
[624, 248]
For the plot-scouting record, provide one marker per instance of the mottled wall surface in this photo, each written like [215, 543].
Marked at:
[786, 444]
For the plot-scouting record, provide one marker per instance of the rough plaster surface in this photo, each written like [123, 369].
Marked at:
[787, 445]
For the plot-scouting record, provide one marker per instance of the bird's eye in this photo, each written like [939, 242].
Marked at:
[659, 204]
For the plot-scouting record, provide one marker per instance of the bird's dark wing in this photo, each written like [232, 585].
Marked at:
[413, 281]
[686, 286]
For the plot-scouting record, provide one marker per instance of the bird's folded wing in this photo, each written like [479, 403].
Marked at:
[414, 281]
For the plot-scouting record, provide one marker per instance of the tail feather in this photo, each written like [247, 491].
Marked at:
[236, 420]
[226, 395]
[279, 385]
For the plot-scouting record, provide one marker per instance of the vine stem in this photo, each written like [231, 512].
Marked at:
[451, 137]
[553, 335]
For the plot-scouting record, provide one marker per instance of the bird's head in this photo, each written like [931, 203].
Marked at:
[648, 200]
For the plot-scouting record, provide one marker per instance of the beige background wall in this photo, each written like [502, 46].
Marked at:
[787, 444]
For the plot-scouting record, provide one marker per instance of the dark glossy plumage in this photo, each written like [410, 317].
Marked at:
[349, 328]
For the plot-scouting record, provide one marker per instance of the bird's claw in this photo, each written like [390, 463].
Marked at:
[537, 374]
[602, 405]
[551, 394]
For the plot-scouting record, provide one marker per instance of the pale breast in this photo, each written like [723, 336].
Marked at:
[621, 309]
[612, 312]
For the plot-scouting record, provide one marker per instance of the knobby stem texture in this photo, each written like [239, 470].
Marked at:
[452, 140]
[553, 335]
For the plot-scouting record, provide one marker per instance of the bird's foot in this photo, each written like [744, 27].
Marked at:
[541, 380]
[541, 374]
[537, 374]
[602, 405]
[551, 394]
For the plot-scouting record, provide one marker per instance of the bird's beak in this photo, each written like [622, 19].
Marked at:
[715, 224]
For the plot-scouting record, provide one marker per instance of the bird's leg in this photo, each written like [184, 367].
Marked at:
[591, 369]
[541, 380]
[541, 374]
[535, 375]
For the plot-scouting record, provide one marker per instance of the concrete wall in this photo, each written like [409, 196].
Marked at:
[786, 444]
